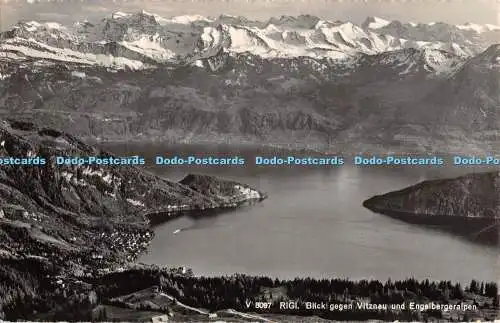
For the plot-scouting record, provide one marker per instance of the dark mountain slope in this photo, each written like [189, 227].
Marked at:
[474, 195]
[87, 209]
[468, 205]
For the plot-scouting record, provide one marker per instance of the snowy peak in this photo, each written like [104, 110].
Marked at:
[411, 62]
[475, 84]
[188, 19]
[300, 22]
[143, 39]
[33, 29]
[236, 20]
[118, 15]
[467, 40]
[378, 23]
[440, 61]
[478, 28]
[136, 17]
[139, 19]
[34, 26]
[375, 23]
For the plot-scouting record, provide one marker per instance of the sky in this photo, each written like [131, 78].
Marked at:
[69, 11]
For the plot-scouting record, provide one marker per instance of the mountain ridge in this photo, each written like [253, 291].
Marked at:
[141, 40]
[345, 91]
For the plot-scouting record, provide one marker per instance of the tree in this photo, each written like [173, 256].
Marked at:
[474, 287]
[103, 315]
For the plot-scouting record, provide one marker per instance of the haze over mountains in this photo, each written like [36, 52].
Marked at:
[298, 81]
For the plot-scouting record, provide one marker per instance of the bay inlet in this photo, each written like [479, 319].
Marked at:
[312, 225]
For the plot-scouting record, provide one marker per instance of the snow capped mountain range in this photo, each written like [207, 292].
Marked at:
[144, 40]
[286, 81]
[478, 28]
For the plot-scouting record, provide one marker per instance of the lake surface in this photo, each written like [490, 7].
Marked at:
[312, 224]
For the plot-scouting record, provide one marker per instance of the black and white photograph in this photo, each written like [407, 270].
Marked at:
[249, 160]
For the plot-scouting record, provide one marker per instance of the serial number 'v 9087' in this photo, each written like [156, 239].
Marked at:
[267, 305]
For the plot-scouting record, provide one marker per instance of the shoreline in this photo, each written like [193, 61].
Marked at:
[346, 149]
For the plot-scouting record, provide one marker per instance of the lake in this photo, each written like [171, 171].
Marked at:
[312, 224]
